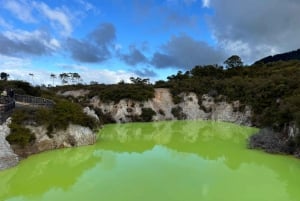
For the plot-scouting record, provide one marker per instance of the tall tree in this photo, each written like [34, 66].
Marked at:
[139, 80]
[4, 76]
[64, 78]
[233, 61]
[53, 76]
[75, 77]
[31, 75]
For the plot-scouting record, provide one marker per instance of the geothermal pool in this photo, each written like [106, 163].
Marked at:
[160, 161]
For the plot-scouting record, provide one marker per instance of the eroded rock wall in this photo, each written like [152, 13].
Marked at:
[191, 108]
[7, 157]
[73, 136]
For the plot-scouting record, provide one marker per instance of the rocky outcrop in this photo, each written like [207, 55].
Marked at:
[191, 108]
[283, 142]
[74, 93]
[73, 136]
[7, 157]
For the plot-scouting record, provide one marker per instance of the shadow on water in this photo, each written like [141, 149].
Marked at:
[180, 160]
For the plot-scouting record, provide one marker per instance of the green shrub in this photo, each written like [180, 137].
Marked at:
[147, 114]
[178, 113]
[57, 118]
[20, 135]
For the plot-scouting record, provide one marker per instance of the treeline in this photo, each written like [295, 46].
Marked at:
[139, 90]
[287, 56]
[272, 90]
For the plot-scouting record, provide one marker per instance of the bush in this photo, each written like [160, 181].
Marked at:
[20, 135]
[56, 118]
[178, 113]
[147, 114]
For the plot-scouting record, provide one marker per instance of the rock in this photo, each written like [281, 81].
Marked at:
[267, 140]
[7, 157]
[192, 108]
[74, 93]
[74, 135]
[273, 142]
[91, 113]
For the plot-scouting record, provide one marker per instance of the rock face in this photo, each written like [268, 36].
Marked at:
[73, 136]
[277, 142]
[7, 157]
[191, 107]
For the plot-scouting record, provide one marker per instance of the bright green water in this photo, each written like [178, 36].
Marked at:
[164, 161]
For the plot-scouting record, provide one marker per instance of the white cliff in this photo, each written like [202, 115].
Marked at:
[191, 106]
[7, 157]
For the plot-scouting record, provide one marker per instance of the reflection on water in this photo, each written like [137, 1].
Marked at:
[181, 160]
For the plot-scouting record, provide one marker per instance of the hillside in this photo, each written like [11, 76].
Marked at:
[271, 92]
[293, 55]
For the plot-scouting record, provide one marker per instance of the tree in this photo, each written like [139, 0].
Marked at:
[74, 76]
[4, 76]
[31, 75]
[64, 78]
[233, 62]
[53, 76]
[139, 81]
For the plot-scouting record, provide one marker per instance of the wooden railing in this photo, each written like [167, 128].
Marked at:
[34, 101]
[7, 104]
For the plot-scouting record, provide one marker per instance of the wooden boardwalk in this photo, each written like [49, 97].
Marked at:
[7, 104]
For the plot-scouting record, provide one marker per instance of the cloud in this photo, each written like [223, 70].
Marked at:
[94, 48]
[27, 43]
[174, 19]
[88, 6]
[107, 76]
[185, 52]
[255, 28]
[170, 14]
[134, 57]
[36, 12]
[146, 72]
[21, 10]
[104, 34]
[161, 60]
[206, 3]
[73, 67]
[4, 24]
[85, 51]
[57, 16]
[19, 69]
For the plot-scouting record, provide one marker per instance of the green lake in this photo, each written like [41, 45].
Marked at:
[160, 161]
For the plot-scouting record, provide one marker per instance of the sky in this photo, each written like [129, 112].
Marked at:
[107, 41]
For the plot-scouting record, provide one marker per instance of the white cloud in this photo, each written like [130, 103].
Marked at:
[56, 16]
[88, 6]
[8, 62]
[106, 76]
[4, 24]
[254, 28]
[35, 42]
[206, 3]
[19, 69]
[21, 9]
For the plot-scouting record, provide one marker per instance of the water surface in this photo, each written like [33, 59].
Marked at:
[162, 161]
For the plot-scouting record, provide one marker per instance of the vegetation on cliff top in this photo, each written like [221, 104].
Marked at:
[54, 118]
[271, 89]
